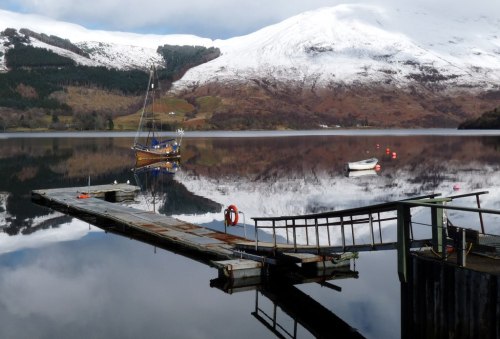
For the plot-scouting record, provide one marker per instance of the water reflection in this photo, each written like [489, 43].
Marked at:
[152, 176]
[287, 312]
[143, 294]
[157, 166]
[160, 193]
[263, 176]
[110, 287]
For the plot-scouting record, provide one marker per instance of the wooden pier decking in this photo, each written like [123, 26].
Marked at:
[209, 246]
[210, 243]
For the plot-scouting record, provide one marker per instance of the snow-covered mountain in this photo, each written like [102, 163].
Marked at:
[361, 43]
[334, 65]
[119, 50]
[341, 44]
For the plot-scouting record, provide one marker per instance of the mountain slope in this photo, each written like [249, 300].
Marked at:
[354, 65]
[118, 50]
[360, 43]
[346, 65]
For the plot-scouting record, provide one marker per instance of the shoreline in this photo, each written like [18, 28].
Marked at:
[260, 133]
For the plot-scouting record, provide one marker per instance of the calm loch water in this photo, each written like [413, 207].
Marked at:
[63, 278]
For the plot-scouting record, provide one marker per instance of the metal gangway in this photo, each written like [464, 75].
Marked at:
[369, 228]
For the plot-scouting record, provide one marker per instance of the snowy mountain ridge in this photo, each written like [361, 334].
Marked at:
[345, 44]
[361, 43]
[347, 65]
[118, 50]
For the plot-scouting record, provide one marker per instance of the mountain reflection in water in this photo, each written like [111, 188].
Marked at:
[101, 285]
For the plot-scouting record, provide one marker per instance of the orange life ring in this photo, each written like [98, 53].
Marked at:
[232, 209]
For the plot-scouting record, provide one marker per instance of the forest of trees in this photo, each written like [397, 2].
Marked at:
[46, 72]
[28, 57]
[181, 58]
[34, 74]
[55, 41]
[488, 120]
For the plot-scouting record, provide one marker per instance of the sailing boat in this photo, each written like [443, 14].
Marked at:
[154, 149]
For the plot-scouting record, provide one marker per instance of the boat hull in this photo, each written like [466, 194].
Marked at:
[155, 154]
[362, 165]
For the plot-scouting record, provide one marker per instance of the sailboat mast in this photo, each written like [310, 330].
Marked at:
[153, 97]
[139, 130]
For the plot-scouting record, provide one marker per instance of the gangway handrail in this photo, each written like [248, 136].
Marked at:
[451, 207]
[371, 215]
[466, 195]
[381, 207]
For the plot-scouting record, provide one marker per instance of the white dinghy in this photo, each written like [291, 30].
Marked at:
[361, 165]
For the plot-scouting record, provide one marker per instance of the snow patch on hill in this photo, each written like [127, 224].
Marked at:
[122, 56]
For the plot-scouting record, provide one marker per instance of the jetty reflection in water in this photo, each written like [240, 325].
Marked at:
[96, 274]
[276, 297]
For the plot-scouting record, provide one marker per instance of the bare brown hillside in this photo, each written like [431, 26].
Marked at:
[274, 106]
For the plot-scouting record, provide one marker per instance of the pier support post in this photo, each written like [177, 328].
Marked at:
[403, 241]
[462, 247]
[438, 233]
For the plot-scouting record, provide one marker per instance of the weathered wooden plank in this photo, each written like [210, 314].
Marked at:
[239, 268]
[306, 257]
[163, 227]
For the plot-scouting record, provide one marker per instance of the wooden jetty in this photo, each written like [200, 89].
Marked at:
[317, 248]
[328, 236]
[94, 204]
[211, 244]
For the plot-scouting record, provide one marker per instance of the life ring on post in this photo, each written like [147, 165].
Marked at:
[228, 215]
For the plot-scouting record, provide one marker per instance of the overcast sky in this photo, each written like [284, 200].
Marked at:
[207, 18]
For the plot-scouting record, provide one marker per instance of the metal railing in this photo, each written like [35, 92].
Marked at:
[446, 235]
[336, 229]
[362, 228]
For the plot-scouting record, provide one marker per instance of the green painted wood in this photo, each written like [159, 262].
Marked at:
[403, 244]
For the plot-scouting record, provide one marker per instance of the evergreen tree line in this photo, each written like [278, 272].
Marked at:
[488, 120]
[47, 72]
[181, 58]
[35, 73]
[93, 121]
[22, 56]
[13, 38]
[55, 41]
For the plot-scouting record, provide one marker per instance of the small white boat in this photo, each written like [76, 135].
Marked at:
[362, 164]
